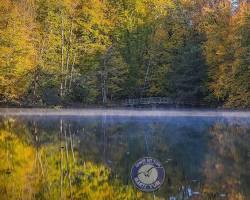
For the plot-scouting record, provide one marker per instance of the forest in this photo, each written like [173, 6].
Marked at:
[101, 52]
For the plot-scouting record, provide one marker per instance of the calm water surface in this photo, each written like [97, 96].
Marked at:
[90, 157]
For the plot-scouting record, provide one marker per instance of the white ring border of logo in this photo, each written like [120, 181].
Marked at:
[148, 190]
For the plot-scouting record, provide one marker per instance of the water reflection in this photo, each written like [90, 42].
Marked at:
[90, 158]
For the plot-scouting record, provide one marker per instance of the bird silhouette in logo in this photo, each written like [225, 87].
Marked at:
[146, 173]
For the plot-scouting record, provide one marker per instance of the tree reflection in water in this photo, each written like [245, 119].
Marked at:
[227, 166]
[72, 158]
[38, 168]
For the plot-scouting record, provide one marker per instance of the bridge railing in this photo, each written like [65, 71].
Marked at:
[148, 100]
[161, 100]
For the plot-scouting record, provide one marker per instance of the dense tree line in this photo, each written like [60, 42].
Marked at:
[62, 52]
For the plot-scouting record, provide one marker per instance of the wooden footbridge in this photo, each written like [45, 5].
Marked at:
[154, 101]
[149, 101]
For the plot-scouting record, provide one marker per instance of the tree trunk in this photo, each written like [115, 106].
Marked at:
[71, 72]
[62, 55]
[68, 55]
[104, 75]
[104, 83]
[36, 79]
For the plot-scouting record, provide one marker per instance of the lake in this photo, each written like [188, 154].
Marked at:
[88, 154]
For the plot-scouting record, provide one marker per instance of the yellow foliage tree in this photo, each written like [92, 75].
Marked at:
[17, 51]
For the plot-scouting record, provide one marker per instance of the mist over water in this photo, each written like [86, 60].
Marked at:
[125, 112]
[69, 150]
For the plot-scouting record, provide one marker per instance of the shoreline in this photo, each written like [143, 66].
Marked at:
[123, 112]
